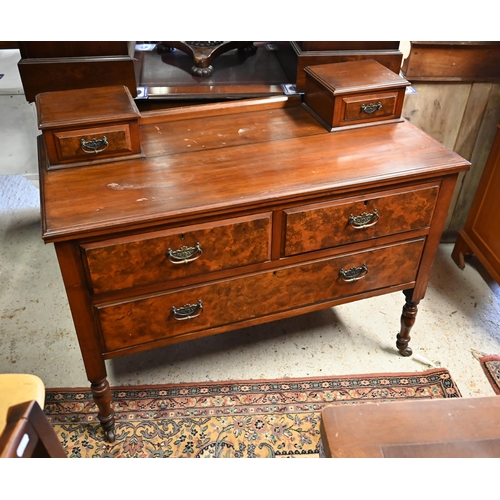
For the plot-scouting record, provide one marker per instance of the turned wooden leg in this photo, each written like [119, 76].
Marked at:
[102, 397]
[407, 321]
[460, 250]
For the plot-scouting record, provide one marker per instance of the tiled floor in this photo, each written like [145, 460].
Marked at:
[459, 316]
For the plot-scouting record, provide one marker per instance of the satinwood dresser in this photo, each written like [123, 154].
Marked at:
[240, 213]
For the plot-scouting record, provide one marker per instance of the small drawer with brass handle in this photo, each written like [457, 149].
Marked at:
[77, 144]
[364, 108]
[353, 93]
[89, 126]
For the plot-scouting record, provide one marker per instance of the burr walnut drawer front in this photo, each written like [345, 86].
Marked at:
[326, 225]
[94, 142]
[177, 253]
[201, 308]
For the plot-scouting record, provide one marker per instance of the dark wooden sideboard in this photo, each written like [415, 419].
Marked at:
[453, 62]
[50, 66]
[241, 213]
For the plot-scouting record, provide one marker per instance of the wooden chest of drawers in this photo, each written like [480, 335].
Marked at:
[241, 213]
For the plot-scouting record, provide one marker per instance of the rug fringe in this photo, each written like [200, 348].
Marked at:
[479, 354]
[426, 361]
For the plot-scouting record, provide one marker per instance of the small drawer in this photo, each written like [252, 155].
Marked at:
[162, 256]
[369, 107]
[201, 308]
[94, 142]
[330, 224]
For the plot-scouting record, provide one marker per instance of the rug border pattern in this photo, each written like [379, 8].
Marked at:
[491, 367]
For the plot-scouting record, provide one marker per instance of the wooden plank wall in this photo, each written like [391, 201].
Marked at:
[464, 117]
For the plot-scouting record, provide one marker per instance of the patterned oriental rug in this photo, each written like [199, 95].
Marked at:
[491, 367]
[239, 419]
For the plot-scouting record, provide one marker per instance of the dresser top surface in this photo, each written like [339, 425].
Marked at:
[210, 165]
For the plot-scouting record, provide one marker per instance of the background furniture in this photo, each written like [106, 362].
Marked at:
[50, 66]
[17, 388]
[24, 428]
[438, 428]
[457, 101]
[28, 434]
[481, 234]
[453, 62]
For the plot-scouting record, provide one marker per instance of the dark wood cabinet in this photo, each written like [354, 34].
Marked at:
[453, 62]
[481, 233]
[52, 66]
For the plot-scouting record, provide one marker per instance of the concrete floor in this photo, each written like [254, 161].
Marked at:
[459, 316]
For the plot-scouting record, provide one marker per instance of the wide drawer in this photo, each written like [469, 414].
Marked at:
[94, 142]
[143, 320]
[177, 253]
[326, 225]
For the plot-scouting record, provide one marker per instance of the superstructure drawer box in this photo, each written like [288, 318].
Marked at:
[353, 93]
[85, 127]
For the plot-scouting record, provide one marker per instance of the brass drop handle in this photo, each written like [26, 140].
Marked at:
[185, 254]
[94, 145]
[354, 274]
[188, 311]
[371, 108]
[364, 220]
